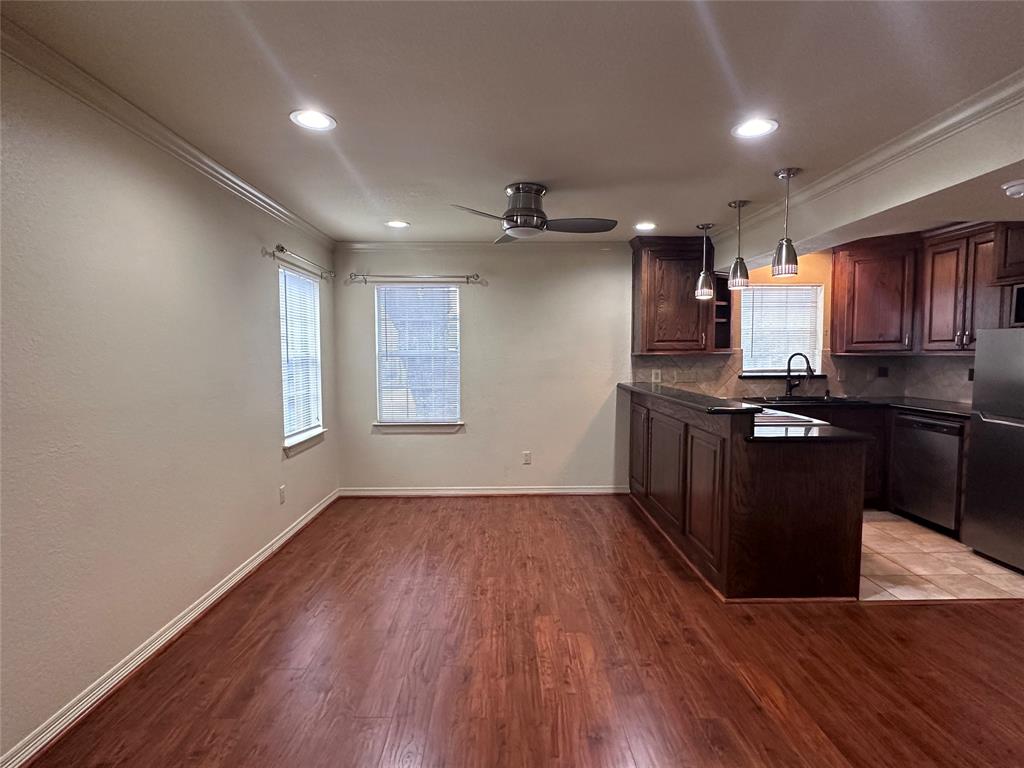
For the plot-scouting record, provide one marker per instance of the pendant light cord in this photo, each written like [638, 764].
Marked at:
[739, 251]
[704, 258]
[785, 226]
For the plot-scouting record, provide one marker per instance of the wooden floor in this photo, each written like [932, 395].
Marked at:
[537, 631]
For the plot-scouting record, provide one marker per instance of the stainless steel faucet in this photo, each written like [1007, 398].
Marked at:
[793, 383]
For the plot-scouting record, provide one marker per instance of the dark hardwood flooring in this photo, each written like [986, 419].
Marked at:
[551, 631]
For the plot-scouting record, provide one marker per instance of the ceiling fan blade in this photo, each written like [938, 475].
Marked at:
[581, 226]
[478, 213]
[504, 239]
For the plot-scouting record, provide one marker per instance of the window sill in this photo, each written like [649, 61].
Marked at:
[419, 427]
[796, 375]
[299, 442]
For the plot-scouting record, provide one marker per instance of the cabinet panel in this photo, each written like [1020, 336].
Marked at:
[983, 301]
[666, 462]
[869, 421]
[944, 271]
[638, 419]
[675, 320]
[703, 526]
[1010, 250]
[872, 295]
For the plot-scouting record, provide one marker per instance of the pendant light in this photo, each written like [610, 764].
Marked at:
[705, 285]
[739, 278]
[784, 263]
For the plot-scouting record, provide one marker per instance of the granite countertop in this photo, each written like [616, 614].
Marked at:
[945, 407]
[696, 400]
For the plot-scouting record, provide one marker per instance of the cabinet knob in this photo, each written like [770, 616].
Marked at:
[703, 339]
[956, 339]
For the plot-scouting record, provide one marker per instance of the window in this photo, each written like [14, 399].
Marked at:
[300, 355]
[778, 320]
[418, 354]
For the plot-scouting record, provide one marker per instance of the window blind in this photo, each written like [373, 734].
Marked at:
[418, 354]
[300, 351]
[778, 320]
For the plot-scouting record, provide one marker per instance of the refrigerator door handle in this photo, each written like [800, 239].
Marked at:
[1006, 421]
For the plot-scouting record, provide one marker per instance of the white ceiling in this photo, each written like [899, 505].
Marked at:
[623, 109]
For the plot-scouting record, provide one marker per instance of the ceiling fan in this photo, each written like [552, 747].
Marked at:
[525, 216]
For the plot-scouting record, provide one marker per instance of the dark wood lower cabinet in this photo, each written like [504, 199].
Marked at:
[758, 518]
[638, 436]
[702, 519]
[665, 458]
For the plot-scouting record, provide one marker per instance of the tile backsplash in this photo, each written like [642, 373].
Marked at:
[937, 378]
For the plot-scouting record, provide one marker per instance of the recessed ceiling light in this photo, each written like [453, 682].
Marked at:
[645, 226]
[398, 224]
[754, 127]
[1014, 189]
[313, 120]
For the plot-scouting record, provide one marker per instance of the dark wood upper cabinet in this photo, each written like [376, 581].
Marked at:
[873, 295]
[1009, 252]
[958, 269]
[943, 278]
[667, 319]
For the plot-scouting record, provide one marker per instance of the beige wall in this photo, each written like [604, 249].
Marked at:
[544, 342]
[141, 394]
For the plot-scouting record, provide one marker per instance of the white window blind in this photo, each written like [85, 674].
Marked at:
[300, 352]
[778, 320]
[418, 354]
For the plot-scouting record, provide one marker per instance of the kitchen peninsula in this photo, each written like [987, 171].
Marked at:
[763, 510]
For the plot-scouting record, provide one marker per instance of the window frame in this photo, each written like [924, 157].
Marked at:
[746, 372]
[296, 440]
[417, 425]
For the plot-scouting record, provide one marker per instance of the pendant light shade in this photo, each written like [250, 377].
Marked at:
[705, 284]
[739, 277]
[784, 263]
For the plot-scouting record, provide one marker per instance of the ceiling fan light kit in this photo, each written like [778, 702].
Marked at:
[739, 276]
[525, 218]
[705, 285]
[785, 263]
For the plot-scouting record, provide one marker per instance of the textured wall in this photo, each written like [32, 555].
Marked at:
[141, 394]
[545, 339]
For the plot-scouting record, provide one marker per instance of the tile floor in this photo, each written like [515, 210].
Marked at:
[906, 561]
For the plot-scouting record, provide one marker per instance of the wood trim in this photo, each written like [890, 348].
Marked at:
[21, 47]
[484, 490]
[81, 705]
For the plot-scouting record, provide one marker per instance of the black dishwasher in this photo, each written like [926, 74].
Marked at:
[924, 478]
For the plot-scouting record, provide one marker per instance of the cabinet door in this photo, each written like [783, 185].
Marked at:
[638, 416]
[676, 321]
[983, 302]
[942, 314]
[703, 520]
[1010, 251]
[665, 473]
[874, 422]
[872, 295]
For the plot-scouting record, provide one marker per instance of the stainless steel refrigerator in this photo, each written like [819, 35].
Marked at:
[993, 518]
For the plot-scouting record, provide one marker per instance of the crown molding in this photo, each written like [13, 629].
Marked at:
[21, 47]
[1002, 95]
[475, 246]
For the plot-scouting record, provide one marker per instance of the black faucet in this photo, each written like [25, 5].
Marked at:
[792, 383]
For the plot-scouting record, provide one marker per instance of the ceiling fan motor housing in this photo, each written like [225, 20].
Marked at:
[524, 217]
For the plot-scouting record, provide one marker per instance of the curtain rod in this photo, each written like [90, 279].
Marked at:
[280, 250]
[366, 277]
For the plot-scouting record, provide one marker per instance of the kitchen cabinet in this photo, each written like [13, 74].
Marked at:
[666, 452]
[957, 292]
[1009, 248]
[872, 420]
[702, 521]
[638, 420]
[667, 319]
[873, 295]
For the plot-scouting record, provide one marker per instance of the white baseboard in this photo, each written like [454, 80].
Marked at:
[486, 490]
[79, 706]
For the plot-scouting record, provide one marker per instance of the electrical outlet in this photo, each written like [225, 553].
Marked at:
[656, 375]
[527, 457]
[883, 372]
[280, 494]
